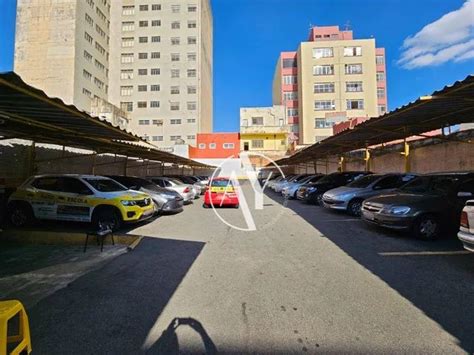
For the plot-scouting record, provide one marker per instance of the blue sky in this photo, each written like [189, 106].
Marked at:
[249, 34]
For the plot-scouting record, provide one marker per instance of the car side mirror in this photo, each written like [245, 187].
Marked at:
[464, 194]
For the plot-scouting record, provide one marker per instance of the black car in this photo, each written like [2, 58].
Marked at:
[313, 193]
[424, 206]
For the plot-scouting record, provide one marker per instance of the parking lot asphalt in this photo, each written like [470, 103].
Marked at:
[307, 280]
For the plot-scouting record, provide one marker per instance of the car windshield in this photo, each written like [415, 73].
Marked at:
[328, 178]
[364, 181]
[221, 183]
[152, 187]
[176, 181]
[105, 185]
[433, 183]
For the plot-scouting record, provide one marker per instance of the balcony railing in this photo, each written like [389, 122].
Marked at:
[264, 129]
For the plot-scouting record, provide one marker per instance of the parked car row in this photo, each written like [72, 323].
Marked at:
[101, 200]
[422, 205]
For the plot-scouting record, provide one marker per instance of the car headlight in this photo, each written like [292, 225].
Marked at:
[128, 202]
[398, 210]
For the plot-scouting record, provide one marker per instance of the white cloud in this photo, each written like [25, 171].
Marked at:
[450, 38]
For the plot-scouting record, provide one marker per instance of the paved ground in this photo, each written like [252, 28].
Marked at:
[307, 281]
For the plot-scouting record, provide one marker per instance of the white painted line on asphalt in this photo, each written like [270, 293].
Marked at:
[339, 220]
[422, 253]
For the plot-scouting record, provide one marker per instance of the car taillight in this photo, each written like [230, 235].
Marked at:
[186, 189]
[464, 220]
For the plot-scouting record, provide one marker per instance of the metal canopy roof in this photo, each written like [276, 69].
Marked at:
[449, 106]
[28, 113]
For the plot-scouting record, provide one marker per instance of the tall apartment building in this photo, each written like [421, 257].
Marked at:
[332, 77]
[62, 47]
[161, 68]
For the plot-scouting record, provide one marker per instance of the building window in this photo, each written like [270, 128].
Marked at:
[156, 23]
[292, 112]
[290, 95]
[142, 55]
[324, 105]
[88, 37]
[175, 73]
[202, 145]
[141, 104]
[228, 146]
[127, 42]
[379, 59]
[145, 138]
[175, 41]
[323, 52]
[86, 92]
[127, 58]
[155, 55]
[191, 120]
[157, 138]
[128, 10]
[353, 68]
[126, 90]
[355, 104]
[143, 24]
[142, 88]
[191, 105]
[142, 71]
[155, 39]
[191, 73]
[192, 8]
[192, 57]
[257, 143]
[381, 93]
[192, 90]
[382, 109]
[319, 123]
[128, 26]
[175, 57]
[154, 104]
[288, 63]
[354, 86]
[87, 56]
[174, 106]
[126, 106]
[191, 136]
[175, 90]
[352, 51]
[158, 122]
[86, 75]
[323, 69]
[257, 121]
[175, 8]
[175, 25]
[156, 7]
[126, 74]
[175, 121]
[290, 80]
[192, 40]
[380, 76]
[155, 71]
[143, 122]
[89, 20]
[175, 138]
[192, 24]
[143, 7]
[155, 87]
[323, 87]
[143, 39]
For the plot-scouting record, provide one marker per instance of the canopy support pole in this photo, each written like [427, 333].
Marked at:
[367, 159]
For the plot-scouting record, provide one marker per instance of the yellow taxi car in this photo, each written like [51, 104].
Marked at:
[80, 198]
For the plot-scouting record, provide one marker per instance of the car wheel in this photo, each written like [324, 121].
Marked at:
[319, 199]
[106, 218]
[354, 207]
[236, 206]
[426, 227]
[205, 205]
[20, 214]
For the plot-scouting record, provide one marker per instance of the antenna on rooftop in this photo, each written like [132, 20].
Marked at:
[347, 26]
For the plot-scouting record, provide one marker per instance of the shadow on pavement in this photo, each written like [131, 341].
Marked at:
[442, 286]
[111, 310]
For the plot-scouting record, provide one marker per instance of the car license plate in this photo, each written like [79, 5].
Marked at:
[369, 215]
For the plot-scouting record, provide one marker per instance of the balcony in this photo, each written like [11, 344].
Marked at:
[264, 129]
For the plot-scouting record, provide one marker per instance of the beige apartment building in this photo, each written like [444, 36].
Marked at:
[161, 68]
[331, 78]
[62, 47]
